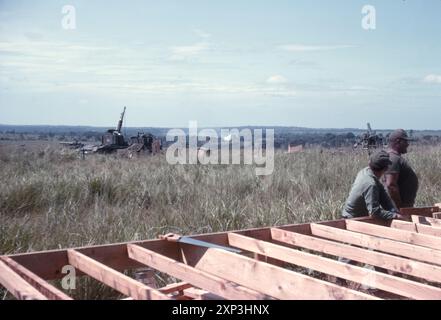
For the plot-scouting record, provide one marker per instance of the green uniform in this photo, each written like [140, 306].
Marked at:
[368, 197]
[407, 179]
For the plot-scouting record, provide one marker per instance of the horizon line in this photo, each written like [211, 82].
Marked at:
[208, 127]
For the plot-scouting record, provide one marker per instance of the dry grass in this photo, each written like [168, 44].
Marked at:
[51, 199]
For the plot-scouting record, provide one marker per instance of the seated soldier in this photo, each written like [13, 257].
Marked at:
[368, 196]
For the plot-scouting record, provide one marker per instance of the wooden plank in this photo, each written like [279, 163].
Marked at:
[211, 283]
[418, 269]
[416, 227]
[174, 287]
[395, 234]
[112, 278]
[198, 294]
[403, 225]
[376, 243]
[17, 286]
[424, 211]
[433, 222]
[386, 282]
[41, 285]
[271, 280]
[45, 264]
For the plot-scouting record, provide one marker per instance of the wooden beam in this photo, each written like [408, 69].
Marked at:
[416, 227]
[41, 285]
[395, 234]
[198, 294]
[211, 283]
[271, 280]
[424, 211]
[45, 264]
[402, 225]
[433, 222]
[17, 285]
[112, 278]
[174, 287]
[417, 269]
[386, 282]
[380, 244]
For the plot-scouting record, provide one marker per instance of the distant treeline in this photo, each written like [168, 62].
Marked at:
[284, 136]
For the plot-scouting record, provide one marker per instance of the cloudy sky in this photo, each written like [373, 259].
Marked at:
[222, 63]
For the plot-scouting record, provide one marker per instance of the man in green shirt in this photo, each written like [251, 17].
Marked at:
[400, 180]
[368, 196]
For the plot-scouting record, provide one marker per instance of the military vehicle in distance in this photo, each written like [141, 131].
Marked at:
[113, 141]
[370, 140]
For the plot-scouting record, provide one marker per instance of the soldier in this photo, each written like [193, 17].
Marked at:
[400, 180]
[368, 196]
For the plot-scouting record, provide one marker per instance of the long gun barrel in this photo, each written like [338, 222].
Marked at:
[120, 122]
[369, 127]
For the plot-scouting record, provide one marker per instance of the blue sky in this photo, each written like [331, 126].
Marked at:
[221, 63]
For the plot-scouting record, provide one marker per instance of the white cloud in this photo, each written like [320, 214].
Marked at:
[432, 78]
[303, 48]
[202, 34]
[277, 79]
[185, 52]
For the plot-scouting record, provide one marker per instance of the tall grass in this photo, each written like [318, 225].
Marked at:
[51, 199]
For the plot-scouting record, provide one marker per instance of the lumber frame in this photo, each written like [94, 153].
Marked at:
[417, 269]
[416, 227]
[201, 279]
[41, 285]
[386, 282]
[433, 222]
[263, 277]
[422, 211]
[17, 285]
[49, 263]
[114, 279]
[394, 234]
[376, 243]
[30, 270]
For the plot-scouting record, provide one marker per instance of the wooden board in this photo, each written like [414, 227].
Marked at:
[396, 285]
[197, 278]
[113, 278]
[376, 243]
[433, 222]
[414, 268]
[18, 287]
[42, 286]
[413, 238]
[262, 277]
[416, 227]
